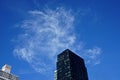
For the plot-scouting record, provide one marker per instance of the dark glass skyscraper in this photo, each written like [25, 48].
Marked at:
[70, 67]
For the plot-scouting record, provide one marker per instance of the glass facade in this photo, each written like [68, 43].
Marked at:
[70, 66]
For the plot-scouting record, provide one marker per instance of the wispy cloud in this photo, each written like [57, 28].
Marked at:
[47, 33]
[92, 55]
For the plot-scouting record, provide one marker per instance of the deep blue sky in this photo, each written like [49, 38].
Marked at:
[97, 23]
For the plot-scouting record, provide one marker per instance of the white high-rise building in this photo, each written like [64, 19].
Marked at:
[5, 73]
[6, 68]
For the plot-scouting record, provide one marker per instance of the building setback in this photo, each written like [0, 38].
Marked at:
[5, 73]
[70, 67]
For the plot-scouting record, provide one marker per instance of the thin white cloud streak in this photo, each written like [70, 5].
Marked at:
[92, 55]
[46, 34]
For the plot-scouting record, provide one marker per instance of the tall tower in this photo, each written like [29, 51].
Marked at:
[5, 73]
[70, 67]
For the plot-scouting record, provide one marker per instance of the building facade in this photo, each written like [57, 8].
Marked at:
[55, 75]
[70, 67]
[5, 73]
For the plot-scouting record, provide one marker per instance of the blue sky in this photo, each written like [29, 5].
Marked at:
[33, 32]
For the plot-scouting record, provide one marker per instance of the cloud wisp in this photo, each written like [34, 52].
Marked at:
[92, 55]
[47, 33]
